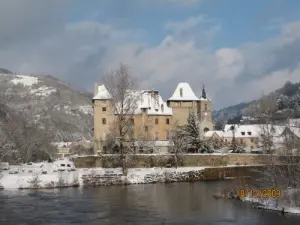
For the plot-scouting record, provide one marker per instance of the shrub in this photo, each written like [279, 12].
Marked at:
[34, 183]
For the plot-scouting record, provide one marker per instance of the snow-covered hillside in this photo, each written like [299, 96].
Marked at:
[50, 104]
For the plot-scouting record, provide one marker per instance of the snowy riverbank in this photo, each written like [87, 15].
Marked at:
[45, 175]
[63, 174]
[274, 205]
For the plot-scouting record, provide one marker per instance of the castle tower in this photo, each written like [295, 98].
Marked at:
[205, 112]
[182, 102]
[103, 116]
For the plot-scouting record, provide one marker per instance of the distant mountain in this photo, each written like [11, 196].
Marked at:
[287, 100]
[5, 71]
[50, 104]
[230, 111]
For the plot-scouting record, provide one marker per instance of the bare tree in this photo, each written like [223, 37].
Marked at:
[122, 88]
[281, 172]
[265, 110]
[179, 144]
[22, 139]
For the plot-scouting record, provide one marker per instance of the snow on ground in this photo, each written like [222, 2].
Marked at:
[25, 80]
[43, 91]
[274, 204]
[27, 173]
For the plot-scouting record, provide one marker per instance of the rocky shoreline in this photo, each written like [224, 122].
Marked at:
[255, 203]
[164, 177]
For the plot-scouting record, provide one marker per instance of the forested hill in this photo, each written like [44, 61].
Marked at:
[287, 102]
[48, 103]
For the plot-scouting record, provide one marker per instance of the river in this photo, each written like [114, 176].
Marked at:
[176, 203]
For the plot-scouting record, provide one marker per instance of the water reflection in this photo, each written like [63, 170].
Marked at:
[179, 203]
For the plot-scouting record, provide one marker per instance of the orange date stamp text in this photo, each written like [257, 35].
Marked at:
[259, 193]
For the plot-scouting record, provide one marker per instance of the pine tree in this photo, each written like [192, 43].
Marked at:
[192, 131]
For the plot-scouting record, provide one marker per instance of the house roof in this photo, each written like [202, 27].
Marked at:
[252, 130]
[244, 131]
[102, 93]
[210, 133]
[150, 100]
[183, 92]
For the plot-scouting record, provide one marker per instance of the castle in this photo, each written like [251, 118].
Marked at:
[154, 118]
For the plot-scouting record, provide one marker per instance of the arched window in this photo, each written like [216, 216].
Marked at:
[205, 129]
[181, 92]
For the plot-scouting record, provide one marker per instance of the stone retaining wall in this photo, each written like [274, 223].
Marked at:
[218, 173]
[195, 160]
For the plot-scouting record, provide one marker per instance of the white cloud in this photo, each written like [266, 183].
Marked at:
[81, 51]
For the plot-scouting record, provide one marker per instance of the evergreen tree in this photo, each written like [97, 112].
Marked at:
[192, 132]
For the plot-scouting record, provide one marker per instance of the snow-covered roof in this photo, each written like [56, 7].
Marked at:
[251, 130]
[210, 133]
[183, 92]
[148, 100]
[245, 131]
[102, 93]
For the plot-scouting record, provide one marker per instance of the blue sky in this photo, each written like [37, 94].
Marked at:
[239, 49]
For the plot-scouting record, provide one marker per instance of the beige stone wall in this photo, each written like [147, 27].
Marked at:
[103, 120]
[145, 126]
[249, 143]
[181, 111]
[139, 161]
[205, 115]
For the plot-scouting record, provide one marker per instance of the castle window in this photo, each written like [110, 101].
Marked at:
[181, 92]
[162, 107]
[243, 133]
[167, 121]
[156, 136]
[103, 120]
[146, 128]
[205, 107]
[168, 135]
[249, 133]
[103, 109]
[156, 121]
[205, 129]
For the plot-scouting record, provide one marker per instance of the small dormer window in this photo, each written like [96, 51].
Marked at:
[181, 92]
[249, 133]
[162, 107]
[243, 133]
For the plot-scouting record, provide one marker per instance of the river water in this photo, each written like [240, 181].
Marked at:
[177, 203]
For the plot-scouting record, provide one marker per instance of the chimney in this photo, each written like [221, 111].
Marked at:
[95, 89]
